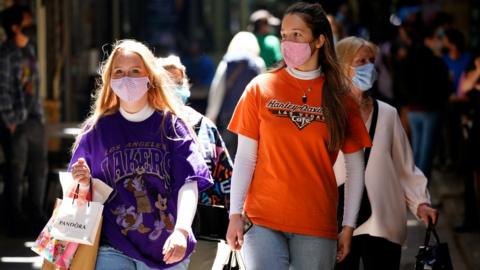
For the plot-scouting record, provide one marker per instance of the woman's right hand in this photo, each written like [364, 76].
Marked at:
[344, 243]
[81, 172]
[235, 232]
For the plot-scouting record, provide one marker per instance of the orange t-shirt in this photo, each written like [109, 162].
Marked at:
[293, 187]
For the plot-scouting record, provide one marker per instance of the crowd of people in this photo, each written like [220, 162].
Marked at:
[305, 141]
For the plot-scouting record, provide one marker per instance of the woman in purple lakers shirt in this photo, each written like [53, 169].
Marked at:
[135, 142]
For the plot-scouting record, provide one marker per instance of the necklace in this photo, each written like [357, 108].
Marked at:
[305, 92]
[304, 97]
[308, 75]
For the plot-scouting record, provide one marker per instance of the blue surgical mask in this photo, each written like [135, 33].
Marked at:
[182, 92]
[365, 76]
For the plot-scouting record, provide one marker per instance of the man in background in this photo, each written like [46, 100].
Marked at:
[22, 131]
[261, 24]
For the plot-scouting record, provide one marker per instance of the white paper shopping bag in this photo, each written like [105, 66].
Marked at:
[223, 258]
[77, 222]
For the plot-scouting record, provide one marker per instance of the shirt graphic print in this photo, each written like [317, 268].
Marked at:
[300, 115]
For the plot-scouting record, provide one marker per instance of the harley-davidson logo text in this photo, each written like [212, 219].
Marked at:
[300, 115]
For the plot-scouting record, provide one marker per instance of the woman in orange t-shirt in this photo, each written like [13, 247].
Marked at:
[291, 124]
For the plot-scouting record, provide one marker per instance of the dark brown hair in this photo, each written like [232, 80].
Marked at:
[335, 88]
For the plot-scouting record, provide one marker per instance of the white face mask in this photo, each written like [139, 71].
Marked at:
[365, 76]
[130, 89]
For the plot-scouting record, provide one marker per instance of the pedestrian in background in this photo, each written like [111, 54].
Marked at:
[201, 70]
[22, 130]
[427, 97]
[457, 59]
[392, 182]
[211, 219]
[291, 123]
[238, 67]
[261, 24]
[470, 86]
[135, 142]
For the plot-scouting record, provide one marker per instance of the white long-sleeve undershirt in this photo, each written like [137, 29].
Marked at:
[187, 205]
[244, 166]
[354, 185]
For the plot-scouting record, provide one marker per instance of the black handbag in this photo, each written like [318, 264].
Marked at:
[210, 222]
[436, 256]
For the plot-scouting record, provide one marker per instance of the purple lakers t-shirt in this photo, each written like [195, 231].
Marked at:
[146, 163]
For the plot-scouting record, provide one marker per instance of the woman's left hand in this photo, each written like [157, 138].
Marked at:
[425, 212]
[175, 246]
[344, 243]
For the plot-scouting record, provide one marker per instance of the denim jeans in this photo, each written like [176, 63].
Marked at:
[265, 248]
[110, 258]
[425, 128]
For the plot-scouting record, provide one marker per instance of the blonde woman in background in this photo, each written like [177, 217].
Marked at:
[392, 180]
[238, 67]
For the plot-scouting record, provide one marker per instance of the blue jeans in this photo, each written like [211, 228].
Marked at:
[424, 128]
[265, 248]
[110, 258]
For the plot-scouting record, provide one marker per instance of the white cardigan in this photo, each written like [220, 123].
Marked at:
[392, 180]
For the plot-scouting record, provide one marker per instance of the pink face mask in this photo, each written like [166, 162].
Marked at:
[130, 89]
[295, 53]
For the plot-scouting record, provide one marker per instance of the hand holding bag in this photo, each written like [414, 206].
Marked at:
[434, 257]
[234, 261]
[59, 254]
[227, 259]
[77, 222]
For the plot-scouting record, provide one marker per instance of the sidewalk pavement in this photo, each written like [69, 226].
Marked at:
[446, 187]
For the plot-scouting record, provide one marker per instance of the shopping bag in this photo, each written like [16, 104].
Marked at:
[84, 259]
[77, 222]
[227, 258]
[434, 257]
[57, 252]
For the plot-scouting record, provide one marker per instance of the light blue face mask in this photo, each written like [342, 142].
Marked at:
[365, 76]
[182, 92]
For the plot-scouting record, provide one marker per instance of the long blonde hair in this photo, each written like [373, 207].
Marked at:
[107, 102]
